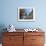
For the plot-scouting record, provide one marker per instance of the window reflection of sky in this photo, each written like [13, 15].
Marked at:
[27, 11]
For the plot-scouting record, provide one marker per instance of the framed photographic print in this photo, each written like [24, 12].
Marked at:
[26, 14]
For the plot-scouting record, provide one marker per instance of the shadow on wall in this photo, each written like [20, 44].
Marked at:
[2, 26]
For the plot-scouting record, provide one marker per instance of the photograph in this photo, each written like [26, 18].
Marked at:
[26, 14]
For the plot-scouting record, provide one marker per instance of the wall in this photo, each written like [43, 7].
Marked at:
[8, 13]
